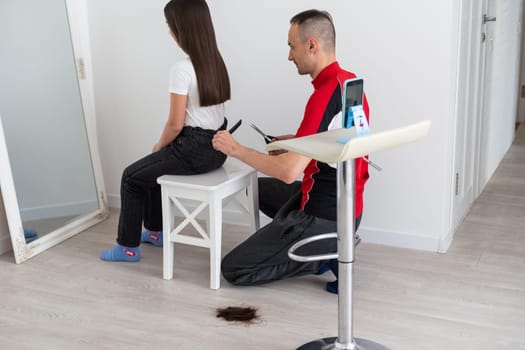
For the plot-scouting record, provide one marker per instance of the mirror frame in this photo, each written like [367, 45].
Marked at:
[78, 27]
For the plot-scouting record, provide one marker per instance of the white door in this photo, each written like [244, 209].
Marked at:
[502, 27]
[468, 106]
[487, 87]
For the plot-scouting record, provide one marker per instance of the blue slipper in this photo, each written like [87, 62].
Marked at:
[121, 253]
[30, 235]
[333, 265]
[154, 238]
[324, 268]
[332, 287]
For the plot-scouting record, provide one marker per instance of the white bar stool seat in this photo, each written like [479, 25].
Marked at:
[211, 190]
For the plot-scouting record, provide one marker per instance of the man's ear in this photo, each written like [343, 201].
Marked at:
[313, 44]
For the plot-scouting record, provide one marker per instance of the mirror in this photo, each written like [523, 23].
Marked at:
[50, 175]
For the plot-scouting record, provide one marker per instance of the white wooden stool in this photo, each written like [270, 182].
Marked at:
[210, 190]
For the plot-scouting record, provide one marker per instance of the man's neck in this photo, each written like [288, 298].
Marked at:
[324, 62]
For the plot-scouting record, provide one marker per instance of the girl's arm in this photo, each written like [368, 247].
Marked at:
[175, 121]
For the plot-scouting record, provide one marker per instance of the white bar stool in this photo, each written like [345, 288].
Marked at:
[342, 146]
[210, 190]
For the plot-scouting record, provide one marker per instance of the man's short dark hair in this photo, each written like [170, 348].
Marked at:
[318, 24]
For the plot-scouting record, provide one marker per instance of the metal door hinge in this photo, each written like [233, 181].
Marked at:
[81, 69]
[456, 184]
[488, 19]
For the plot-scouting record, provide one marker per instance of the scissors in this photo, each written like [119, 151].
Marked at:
[267, 138]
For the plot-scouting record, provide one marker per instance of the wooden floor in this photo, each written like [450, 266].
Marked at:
[472, 297]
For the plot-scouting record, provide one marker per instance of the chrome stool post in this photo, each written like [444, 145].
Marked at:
[345, 256]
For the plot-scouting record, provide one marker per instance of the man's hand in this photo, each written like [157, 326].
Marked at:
[276, 152]
[156, 147]
[224, 142]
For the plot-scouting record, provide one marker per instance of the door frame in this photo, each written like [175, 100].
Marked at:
[468, 127]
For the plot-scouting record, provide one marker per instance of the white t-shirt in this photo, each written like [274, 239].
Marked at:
[183, 81]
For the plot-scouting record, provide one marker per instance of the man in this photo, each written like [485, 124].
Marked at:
[299, 209]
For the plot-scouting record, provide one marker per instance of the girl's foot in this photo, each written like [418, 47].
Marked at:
[153, 237]
[121, 253]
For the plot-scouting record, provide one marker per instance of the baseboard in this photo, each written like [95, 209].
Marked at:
[5, 244]
[59, 210]
[399, 239]
[113, 200]
[368, 235]
[446, 242]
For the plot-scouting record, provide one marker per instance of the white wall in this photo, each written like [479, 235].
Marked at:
[405, 50]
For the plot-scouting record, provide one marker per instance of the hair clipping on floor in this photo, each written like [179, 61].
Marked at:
[238, 314]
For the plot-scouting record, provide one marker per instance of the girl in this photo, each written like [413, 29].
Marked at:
[199, 86]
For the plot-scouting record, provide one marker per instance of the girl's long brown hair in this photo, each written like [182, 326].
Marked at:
[190, 22]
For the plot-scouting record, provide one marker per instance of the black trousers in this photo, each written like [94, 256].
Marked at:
[190, 153]
[263, 257]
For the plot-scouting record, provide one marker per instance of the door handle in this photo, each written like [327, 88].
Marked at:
[488, 19]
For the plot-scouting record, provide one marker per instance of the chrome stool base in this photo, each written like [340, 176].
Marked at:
[330, 343]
